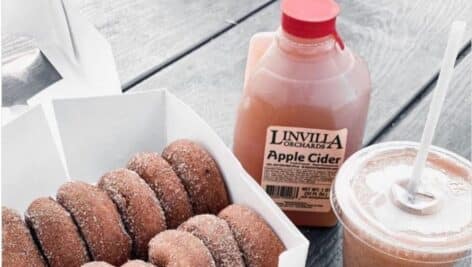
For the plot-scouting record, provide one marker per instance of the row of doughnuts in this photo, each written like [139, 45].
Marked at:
[127, 213]
[130, 263]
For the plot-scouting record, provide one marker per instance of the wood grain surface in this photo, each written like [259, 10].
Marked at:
[454, 127]
[146, 33]
[402, 42]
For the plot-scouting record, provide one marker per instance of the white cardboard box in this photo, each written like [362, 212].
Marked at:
[89, 136]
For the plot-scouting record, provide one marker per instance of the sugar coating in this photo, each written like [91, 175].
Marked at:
[57, 233]
[174, 248]
[200, 175]
[217, 237]
[259, 244]
[137, 263]
[97, 264]
[166, 185]
[18, 247]
[98, 220]
[139, 208]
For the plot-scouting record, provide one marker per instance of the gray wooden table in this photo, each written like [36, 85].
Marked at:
[197, 49]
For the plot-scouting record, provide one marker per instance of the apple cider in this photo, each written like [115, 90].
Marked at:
[303, 110]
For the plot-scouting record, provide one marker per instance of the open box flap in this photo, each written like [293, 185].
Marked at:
[78, 52]
[102, 133]
[31, 161]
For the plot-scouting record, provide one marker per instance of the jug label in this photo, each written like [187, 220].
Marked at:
[300, 165]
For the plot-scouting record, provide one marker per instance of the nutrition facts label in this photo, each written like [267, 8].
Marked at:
[300, 164]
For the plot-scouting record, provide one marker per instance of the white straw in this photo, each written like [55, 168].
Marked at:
[445, 75]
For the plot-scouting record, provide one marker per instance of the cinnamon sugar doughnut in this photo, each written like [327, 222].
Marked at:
[259, 244]
[137, 263]
[97, 264]
[98, 221]
[139, 208]
[174, 248]
[18, 247]
[200, 175]
[217, 237]
[166, 185]
[56, 233]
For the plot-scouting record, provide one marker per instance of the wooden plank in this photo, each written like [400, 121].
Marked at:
[454, 126]
[402, 41]
[146, 33]
[210, 79]
[325, 246]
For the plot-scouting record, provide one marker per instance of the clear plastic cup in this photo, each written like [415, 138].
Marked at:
[381, 229]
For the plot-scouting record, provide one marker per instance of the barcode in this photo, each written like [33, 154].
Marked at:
[282, 191]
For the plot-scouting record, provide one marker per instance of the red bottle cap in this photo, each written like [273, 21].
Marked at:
[311, 18]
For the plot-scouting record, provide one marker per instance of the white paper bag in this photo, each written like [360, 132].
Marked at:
[77, 51]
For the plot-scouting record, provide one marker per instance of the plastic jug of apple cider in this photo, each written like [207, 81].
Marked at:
[303, 110]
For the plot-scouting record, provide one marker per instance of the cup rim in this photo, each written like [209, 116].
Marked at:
[385, 245]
